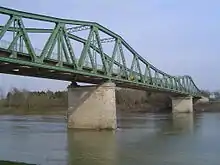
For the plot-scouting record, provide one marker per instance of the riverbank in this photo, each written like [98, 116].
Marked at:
[141, 108]
[212, 106]
[21, 102]
[60, 111]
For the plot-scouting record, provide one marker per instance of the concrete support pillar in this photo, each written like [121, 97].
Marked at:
[182, 104]
[92, 107]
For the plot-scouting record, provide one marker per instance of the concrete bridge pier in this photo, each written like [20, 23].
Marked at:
[182, 104]
[92, 107]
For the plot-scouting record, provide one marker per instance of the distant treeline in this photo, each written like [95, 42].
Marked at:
[26, 99]
[44, 99]
[16, 98]
[215, 95]
[47, 101]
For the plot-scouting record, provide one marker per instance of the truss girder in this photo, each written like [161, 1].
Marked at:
[111, 66]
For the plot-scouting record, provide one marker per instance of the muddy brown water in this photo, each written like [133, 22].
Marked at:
[154, 139]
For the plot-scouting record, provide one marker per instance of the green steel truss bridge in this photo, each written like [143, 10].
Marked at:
[72, 50]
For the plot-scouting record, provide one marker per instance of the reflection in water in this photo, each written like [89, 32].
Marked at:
[183, 122]
[91, 147]
[176, 124]
[157, 139]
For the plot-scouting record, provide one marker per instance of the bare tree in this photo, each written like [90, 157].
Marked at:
[1, 93]
[26, 97]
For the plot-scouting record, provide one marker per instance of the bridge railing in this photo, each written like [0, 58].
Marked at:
[22, 49]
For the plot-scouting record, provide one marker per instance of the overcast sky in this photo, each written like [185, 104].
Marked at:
[177, 36]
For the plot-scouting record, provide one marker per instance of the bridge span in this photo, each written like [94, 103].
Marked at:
[82, 51]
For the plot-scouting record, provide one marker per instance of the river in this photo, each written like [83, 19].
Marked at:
[153, 139]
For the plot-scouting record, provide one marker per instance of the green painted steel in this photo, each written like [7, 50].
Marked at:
[94, 62]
